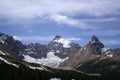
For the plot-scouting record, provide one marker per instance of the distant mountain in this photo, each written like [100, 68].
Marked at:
[62, 47]
[112, 53]
[92, 48]
[15, 69]
[51, 55]
[68, 58]
[36, 50]
[8, 44]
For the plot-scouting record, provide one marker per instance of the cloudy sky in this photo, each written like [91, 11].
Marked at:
[77, 20]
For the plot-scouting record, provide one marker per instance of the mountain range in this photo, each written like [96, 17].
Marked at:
[51, 55]
[58, 60]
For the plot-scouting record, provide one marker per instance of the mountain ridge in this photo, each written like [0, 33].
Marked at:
[59, 48]
[68, 58]
[92, 48]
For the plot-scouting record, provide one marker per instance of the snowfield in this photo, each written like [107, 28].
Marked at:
[66, 43]
[51, 60]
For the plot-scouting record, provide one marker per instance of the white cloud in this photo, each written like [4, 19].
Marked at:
[112, 42]
[33, 38]
[111, 32]
[100, 19]
[61, 19]
[103, 32]
[74, 39]
[42, 38]
[60, 11]
[81, 23]
[33, 8]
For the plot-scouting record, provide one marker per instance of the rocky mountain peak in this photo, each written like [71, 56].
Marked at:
[95, 43]
[14, 46]
[92, 48]
[95, 46]
[57, 37]
[94, 38]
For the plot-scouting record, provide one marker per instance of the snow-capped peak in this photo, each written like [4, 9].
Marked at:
[66, 43]
[94, 39]
[57, 37]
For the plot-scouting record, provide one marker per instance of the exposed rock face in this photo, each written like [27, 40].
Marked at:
[113, 53]
[92, 58]
[57, 51]
[58, 48]
[62, 48]
[15, 46]
[92, 48]
[36, 50]
[95, 46]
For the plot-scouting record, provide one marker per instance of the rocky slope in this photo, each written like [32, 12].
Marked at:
[16, 69]
[94, 58]
[62, 47]
[113, 53]
[8, 44]
[51, 55]
[109, 67]
[94, 47]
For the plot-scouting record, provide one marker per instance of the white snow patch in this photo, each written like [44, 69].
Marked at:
[104, 49]
[57, 51]
[66, 43]
[27, 49]
[35, 68]
[29, 59]
[30, 52]
[8, 62]
[108, 52]
[51, 60]
[55, 79]
[51, 55]
[110, 55]
[2, 39]
[52, 50]
[84, 48]
[2, 53]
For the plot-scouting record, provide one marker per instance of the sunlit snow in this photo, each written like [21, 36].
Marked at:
[51, 60]
[35, 68]
[8, 62]
[2, 53]
[104, 49]
[2, 39]
[110, 55]
[66, 43]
